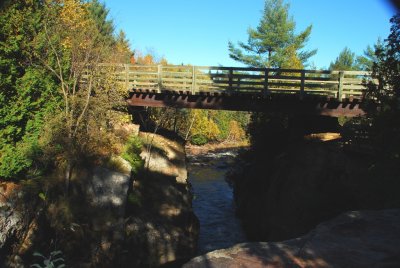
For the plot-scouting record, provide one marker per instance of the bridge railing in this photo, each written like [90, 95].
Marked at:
[243, 80]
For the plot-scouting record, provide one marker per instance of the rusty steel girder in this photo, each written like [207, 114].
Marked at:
[319, 105]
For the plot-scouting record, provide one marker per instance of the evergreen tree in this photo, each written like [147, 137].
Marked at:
[26, 90]
[346, 61]
[386, 68]
[274, 40]
[99, 14]
[367, 60]
[123, 48]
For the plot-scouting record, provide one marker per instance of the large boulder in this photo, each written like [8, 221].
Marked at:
[353, 239]
[18, 225]
[10, 219]
[107, 192]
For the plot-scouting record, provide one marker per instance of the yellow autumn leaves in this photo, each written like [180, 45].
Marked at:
[74, 19]
[205, 125]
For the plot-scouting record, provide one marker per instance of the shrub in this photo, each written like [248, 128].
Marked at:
[199, 139]
[53, 261]
[132, 150]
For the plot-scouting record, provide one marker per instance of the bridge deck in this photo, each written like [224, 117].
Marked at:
[231, 87]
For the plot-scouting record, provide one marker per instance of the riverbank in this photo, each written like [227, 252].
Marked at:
[213, 147]
[353, 239]
[161, 228]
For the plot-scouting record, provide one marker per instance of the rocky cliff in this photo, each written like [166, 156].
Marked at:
[308, 182]
[353, 239]
[161, 227]
[110, 219]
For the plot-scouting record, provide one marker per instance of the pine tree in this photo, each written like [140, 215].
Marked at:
[99, 14]
[367, 60]
[346, 61]
[386, 69]
[270, 43]
[123, 50]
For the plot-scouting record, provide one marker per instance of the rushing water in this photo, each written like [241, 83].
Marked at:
[213, 201]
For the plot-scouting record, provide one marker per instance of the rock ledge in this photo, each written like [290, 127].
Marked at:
[353, 239]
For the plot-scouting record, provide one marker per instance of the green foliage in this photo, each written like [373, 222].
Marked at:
[386, 69]
[123, 48]
[14, 160]
[204, 126]
[382, 126]
[273, 42]
[385, 130]
[222, 119]
[132, 150]
[349, 61]
[346, 61]
[54, 260]
[99, 13]
[42, 196]
[342, 120]
[26, 89]
[231, 125]
[200, 126]
[42, 47]
[367, 60]
[211, 126]
[199, 139]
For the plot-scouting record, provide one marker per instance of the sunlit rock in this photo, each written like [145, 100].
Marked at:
[353, 239]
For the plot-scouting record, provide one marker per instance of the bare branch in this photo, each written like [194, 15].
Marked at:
[89, 92]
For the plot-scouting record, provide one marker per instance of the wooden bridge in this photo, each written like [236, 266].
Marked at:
[331, 93]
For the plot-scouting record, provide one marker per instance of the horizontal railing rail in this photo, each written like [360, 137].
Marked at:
[242, 80]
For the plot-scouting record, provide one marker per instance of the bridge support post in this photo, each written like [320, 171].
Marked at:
[302, 84]
[127, 76]
[265, 89]
[340, 89]
[159, 71]
[230, 83]
[193, 80]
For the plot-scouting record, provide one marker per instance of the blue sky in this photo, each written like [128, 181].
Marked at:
[197, 32]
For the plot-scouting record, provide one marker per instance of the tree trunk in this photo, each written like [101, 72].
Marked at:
[67, 177]
[175, 120]
[190, 127]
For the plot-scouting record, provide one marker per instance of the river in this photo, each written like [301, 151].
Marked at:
[213, 201]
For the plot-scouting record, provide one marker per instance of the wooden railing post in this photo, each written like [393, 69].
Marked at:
[340, 89]
[263, 82]
[266, 77]
[194, 79]
[230, 77]
[127, 76]
[302, 84]
[159, 71]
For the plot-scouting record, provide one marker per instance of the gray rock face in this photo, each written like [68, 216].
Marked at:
[10, 224]
[155, 241]
[162, 228]
[353, 239]
[17, 224]
[108, 190]
[107, 193]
